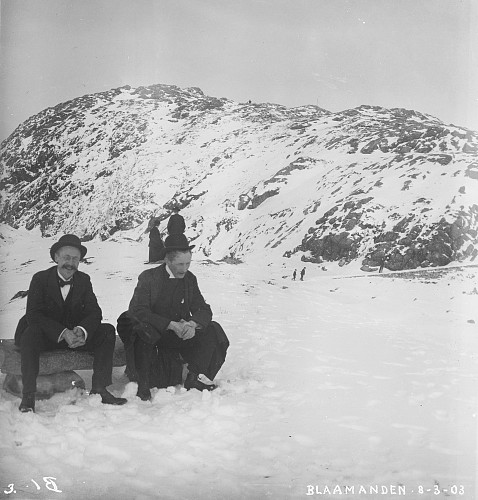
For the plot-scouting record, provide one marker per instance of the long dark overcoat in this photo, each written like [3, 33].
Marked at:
[156, 245]
[176, 224]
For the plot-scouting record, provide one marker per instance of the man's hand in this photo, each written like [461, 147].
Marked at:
[185, 330]
[189, 329]
[80, 335]
[74, 338]
[177, 328]
[69, 336]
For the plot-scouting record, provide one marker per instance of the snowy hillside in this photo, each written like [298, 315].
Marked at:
[251, 178]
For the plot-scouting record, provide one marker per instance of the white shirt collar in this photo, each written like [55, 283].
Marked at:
[61, 277]
[171, 275]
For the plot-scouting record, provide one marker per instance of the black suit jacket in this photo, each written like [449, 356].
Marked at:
[143, 305]
[45, 305]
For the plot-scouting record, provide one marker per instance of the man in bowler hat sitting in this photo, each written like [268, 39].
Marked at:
[170, 312]
[63, 313]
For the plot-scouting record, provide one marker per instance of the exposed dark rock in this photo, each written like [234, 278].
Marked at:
[258, 199]
[332, 247]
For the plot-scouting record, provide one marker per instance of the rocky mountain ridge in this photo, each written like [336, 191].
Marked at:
[366, 183]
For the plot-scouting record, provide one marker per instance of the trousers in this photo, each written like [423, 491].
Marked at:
[205, 353]
[101, 343]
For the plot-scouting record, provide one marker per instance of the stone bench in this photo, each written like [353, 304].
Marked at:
[56, 368]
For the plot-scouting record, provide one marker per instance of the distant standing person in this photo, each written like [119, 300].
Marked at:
[176, 224]
[385, 259]
[294, 274]
[156, 245]
[302, 274]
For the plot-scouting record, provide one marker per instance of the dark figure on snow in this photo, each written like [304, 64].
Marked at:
[63, 313]
[302, 274]
[294, 274]
[171, 313]
[156, 245]
[385, 259]
[176, 224]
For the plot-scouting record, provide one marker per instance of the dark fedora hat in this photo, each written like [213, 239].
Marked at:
[177, 242]
[67, 240]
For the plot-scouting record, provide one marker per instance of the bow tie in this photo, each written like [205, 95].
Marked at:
[63, 283]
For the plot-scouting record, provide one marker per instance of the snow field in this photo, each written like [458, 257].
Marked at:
[336, 380]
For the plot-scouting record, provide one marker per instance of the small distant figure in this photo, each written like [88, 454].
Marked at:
[294, 275]
[302, 274]
[176, 224]
[156, 245]
[385, 259]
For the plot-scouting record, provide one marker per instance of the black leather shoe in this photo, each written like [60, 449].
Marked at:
[28, 403]
[107, 398]
[192, 382]
[144, 393]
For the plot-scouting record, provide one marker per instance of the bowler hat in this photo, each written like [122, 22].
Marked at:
[67, 240]
[177, 242]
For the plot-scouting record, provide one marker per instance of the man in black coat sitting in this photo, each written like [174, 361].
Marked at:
[63, 313]
[170, 312]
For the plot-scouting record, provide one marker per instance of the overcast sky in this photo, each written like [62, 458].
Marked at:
[415, 54]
